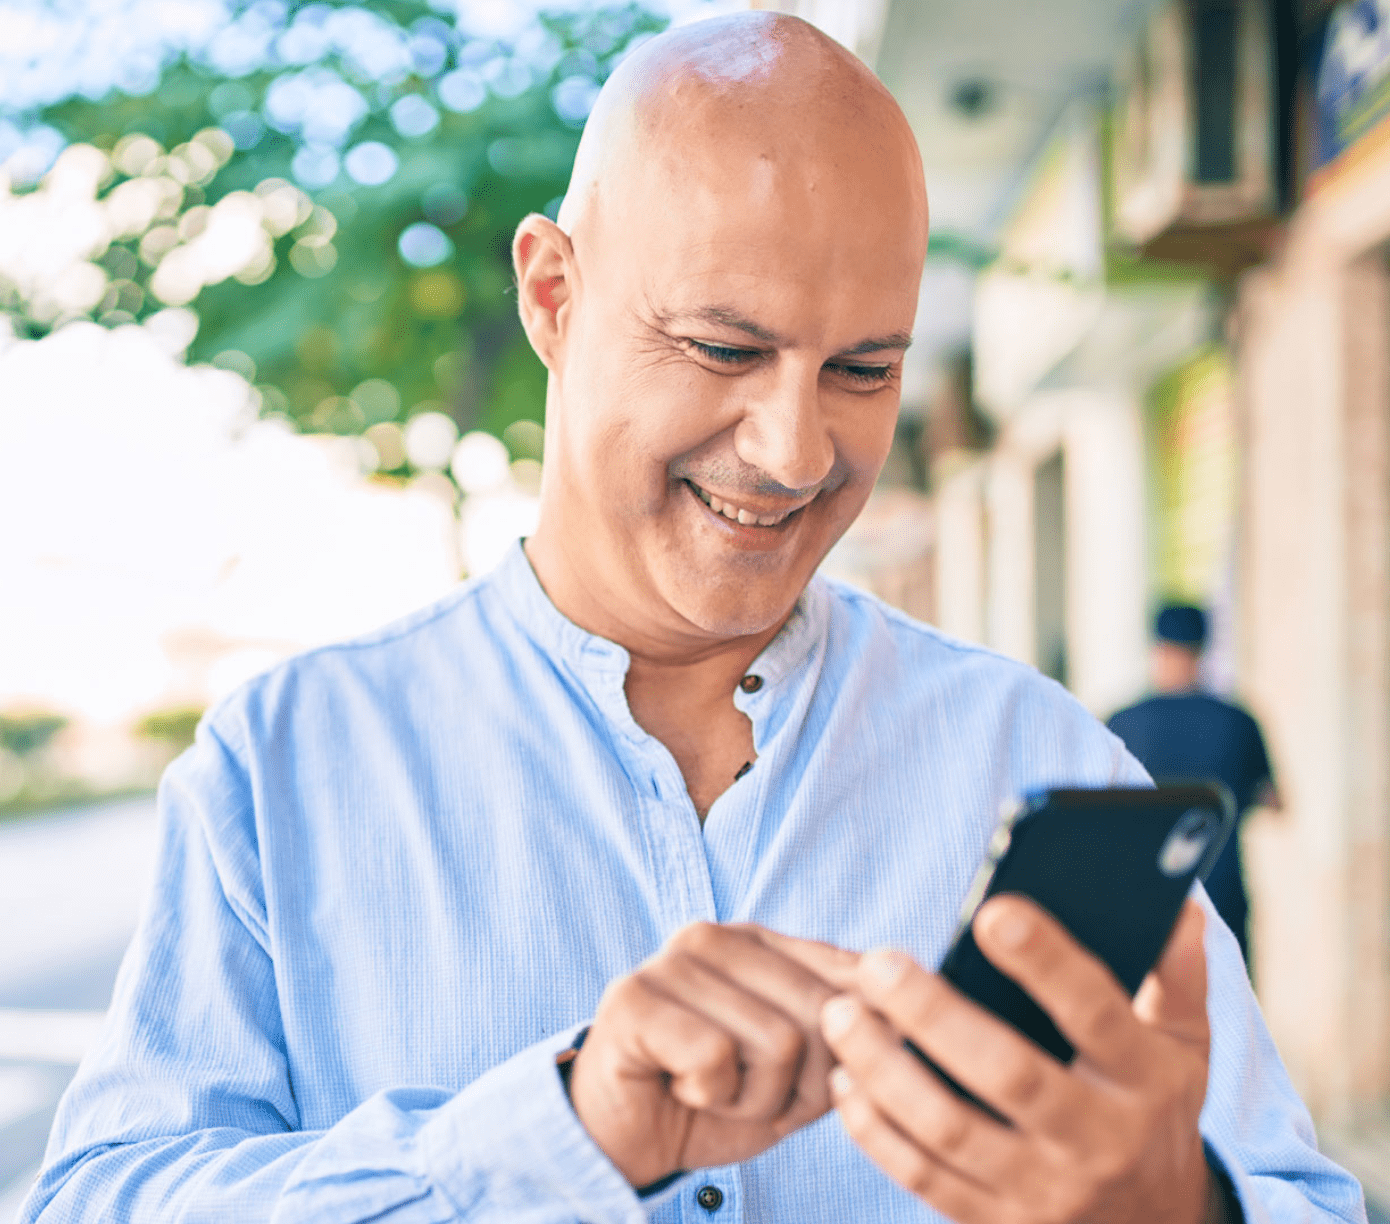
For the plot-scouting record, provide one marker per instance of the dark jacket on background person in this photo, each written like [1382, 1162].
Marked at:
[1198, 735]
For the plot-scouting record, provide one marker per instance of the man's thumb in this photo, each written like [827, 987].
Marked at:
[1174, 995]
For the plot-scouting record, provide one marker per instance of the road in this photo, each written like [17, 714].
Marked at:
[71, 886]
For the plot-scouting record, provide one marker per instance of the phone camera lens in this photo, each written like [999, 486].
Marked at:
[1186, 842]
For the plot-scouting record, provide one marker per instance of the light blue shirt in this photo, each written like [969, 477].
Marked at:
[397, 874]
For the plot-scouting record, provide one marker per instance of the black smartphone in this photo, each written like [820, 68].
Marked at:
[1113, 866]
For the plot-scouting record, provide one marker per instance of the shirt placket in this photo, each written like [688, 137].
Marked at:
[670, 826]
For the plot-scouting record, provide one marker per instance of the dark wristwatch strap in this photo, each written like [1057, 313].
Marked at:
[564, 1064]
[564, 1060]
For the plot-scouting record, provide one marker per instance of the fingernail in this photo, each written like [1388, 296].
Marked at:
[841, 1083]
[884, 966]
[837, 1015]
[1007, 929]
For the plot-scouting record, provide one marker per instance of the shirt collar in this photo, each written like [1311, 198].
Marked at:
[516, 582]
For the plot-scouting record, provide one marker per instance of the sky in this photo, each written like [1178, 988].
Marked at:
[164, 544]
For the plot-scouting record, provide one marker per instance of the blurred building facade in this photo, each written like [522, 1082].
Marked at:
[1173, 380]
[1312, 344]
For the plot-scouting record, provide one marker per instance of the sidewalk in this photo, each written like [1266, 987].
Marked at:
[71, 884]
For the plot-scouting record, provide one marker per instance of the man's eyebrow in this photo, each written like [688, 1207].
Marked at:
[898, 340]
[725, 317]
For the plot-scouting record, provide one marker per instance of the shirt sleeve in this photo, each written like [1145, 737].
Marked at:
[185, 1108]
[1255, 1127]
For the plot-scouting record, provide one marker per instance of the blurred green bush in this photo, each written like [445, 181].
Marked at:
[25, 734]
[173, 727]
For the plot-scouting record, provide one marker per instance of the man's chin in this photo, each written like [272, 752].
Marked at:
[734, 610]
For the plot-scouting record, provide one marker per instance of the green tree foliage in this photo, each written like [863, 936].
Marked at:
[23, 734]
[175, 727]
[399, 154]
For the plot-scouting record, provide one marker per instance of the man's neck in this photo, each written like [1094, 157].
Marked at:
[680, 685]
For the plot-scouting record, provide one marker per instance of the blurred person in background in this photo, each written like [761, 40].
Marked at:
[1182, 731]
[536, 905]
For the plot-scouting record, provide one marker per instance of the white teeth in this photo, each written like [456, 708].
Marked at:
[734, 513]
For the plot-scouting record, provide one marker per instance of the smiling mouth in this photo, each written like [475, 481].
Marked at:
[741, 515]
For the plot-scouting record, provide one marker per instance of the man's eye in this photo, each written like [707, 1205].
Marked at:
[723, 353]
[868, 375]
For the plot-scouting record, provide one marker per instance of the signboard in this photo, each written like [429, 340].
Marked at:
[1353, 92]
[1193, 452]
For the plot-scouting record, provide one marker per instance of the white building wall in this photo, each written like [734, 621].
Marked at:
[961, 553]
[1101, 437]
[1107, 563]
[1009, 585]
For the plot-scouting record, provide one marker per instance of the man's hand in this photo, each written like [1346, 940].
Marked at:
[711, 1051]
[1112, 1138]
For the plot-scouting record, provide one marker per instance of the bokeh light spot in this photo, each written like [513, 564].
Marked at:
[388, 440]
[133, 153]
[158, 242]
[437, 295]
[238, 362]
[462, 90]
[337, 414]
[313, 256]
[429, 49]
[378, 399]
[423, 245]
[370, 163]
[413, 116]
[573, 99]
[526, 475]
[230, 97]
[524, 439]
[508, 78]
[316, 166]
[429, 440]
[244, 127]
[444, 204]
[480, 463]
[172, 329]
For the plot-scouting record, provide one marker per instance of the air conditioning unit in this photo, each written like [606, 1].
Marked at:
[1193, 169]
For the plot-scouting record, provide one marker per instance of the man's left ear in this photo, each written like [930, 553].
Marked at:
[543, 260]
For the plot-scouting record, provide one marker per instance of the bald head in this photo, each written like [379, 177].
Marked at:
[717, 95]
[723, 308]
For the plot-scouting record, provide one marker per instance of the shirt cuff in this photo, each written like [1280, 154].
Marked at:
[511, 1140]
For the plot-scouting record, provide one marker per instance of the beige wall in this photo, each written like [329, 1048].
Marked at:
[1313, 337]
[985, 557]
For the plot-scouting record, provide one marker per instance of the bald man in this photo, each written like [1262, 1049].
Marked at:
[548, 903]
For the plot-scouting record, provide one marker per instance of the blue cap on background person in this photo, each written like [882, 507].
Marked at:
[1181, 624]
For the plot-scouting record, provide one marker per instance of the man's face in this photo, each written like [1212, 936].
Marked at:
[729, 383]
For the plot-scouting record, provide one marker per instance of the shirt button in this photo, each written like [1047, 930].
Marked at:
[751, 684]
[711, 1198]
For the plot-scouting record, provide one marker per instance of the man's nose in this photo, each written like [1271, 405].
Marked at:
[783, 431]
